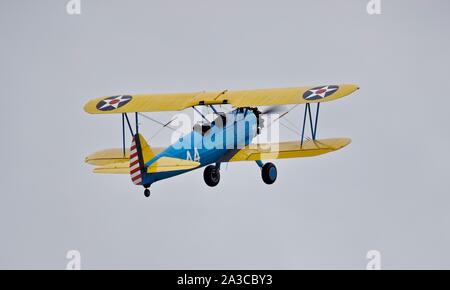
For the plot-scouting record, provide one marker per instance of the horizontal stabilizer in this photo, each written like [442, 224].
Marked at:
[165, 164]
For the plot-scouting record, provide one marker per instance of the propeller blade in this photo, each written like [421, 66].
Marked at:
[274, 109]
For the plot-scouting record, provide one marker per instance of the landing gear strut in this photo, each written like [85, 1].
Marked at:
[211, 175]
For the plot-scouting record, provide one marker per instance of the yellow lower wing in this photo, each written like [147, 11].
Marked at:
[291, 149]
[163, 164]
[112, 160]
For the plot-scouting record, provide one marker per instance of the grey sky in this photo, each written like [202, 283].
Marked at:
[389, 190]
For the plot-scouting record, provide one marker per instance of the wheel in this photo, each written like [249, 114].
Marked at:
[211, 175]
[269, 173]
[147, 192]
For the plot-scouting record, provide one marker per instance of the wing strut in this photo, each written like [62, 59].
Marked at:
[200, 113]
[214, 109]
[313, 127]
[123, 135]
[137, 122]
[125, 118]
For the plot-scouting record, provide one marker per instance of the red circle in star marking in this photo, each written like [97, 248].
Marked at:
[318, 93]
[112, 103]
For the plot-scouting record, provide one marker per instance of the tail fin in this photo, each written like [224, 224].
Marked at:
[140, 153]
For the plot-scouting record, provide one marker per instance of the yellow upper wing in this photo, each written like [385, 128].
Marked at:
[241, 98]
[291, 149]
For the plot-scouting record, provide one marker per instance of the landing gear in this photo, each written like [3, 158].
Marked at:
[269, 173]
[211, 175]
[147, 191]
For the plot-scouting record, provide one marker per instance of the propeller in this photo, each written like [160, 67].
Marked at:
[274, 109]
[278, 109]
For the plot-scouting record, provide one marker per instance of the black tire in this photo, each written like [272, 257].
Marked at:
[147, 192]
[211, 175]
[269, 173]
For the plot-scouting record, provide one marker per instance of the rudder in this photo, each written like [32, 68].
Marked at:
[140, 153]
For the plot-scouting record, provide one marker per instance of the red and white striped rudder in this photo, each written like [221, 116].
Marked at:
[135, 164]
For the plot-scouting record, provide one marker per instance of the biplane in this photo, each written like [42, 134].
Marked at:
[231, 134]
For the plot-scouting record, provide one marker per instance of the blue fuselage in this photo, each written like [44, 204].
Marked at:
[208, 145]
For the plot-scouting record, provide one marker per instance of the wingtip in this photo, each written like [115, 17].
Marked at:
[86, 107]
[90, 106]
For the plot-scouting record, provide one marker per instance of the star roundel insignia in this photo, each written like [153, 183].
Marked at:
[112, 103]
[318, 93]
